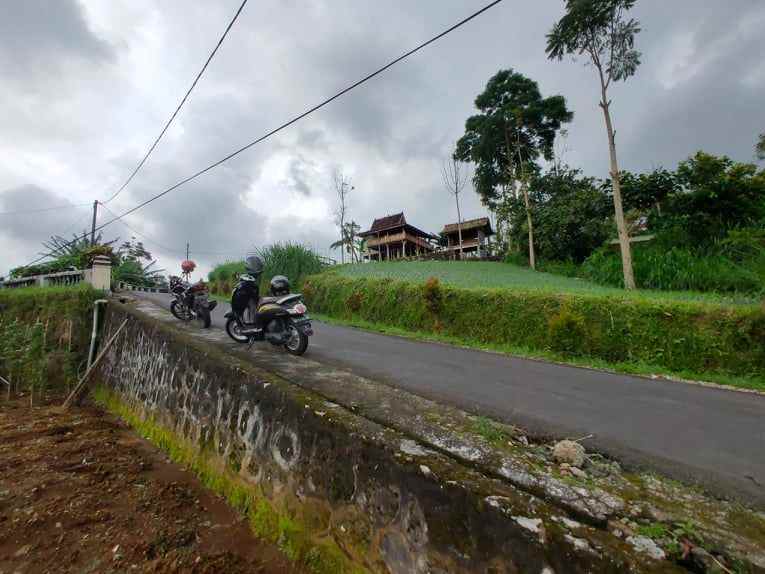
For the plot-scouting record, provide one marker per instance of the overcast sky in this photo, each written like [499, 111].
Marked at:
[88, 85]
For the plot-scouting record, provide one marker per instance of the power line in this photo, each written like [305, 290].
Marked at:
[144, 236]
[297, 118]
[307, 112]
[20, 211]
[180, 105]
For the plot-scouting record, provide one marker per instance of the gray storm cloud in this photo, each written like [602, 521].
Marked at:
[88, 86]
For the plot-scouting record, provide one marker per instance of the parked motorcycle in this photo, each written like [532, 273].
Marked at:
[191, 301]
[281, 318]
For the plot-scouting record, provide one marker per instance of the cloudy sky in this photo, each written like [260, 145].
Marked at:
[88, 84]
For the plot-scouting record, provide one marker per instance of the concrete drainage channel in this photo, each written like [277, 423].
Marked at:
[348, 475]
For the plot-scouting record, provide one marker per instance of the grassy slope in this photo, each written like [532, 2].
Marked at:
[486, 274]
[627, 367]
[511, 278]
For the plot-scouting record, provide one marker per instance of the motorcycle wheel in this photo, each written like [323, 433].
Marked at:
[179, 311]
[297, 342]
[233, 330]
[203, 316]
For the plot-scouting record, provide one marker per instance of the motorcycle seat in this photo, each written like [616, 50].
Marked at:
[264, 300]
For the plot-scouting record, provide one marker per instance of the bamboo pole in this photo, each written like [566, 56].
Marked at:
[7, 382]
[74, 396]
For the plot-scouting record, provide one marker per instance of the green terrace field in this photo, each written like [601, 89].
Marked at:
[492, 275]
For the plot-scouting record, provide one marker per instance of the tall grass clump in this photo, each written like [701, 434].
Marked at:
[293, 260]
[675, 269]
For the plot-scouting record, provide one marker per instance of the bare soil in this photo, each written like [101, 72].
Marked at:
[81, 492]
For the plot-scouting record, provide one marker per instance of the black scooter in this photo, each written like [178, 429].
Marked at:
[191, 301]
[281, 319]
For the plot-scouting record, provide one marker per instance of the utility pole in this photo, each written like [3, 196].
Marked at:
[187, 251]
[93, 227]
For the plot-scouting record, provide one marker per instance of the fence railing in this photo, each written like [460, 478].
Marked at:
[122, 286]
[99, 276]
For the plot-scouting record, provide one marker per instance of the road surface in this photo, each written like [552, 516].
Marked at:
[708, 435]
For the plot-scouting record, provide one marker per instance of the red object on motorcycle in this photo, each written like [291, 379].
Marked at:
[199, 286]
[188, 266]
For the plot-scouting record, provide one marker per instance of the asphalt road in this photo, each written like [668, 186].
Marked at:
[708, 435]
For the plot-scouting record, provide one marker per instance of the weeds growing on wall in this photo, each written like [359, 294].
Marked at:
[44, 337]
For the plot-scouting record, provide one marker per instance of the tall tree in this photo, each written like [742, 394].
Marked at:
[760, 147]
[343, 187]
[600, 31]
[454, 181]
[515, 127]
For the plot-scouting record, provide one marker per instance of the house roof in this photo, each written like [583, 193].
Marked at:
[392, 222]
[383, 223]
[481, 222]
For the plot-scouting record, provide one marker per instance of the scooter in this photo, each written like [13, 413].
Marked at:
[281, 318]
[191, 301]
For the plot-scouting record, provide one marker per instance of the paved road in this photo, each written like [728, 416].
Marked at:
[709, 435]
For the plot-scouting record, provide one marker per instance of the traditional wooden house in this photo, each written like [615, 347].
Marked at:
[475, 237]
[391, 237]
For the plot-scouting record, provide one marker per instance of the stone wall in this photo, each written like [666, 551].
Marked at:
[337, 491]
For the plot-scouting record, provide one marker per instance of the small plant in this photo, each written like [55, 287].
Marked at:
[490, 430]
[433, 295]
[568, 333]
[654, 531]
[354, 301]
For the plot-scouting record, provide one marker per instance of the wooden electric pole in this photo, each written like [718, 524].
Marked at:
[93, 226]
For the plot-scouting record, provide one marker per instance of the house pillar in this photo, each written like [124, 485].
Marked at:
[387, 251]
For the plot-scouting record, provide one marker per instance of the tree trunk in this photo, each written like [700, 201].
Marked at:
[621, 225]
[532, 257]
[459, 221]
[525, 192]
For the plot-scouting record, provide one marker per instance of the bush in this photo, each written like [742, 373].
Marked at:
[432, 294]
[676, 269]
[677, 335]
[293, 260]
[568, 333]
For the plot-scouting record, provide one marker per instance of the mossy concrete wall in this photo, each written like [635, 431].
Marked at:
[335, 490]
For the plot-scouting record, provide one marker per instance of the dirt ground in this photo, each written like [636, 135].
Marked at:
[80, 492]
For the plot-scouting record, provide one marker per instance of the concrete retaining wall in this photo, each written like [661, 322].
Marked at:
[335, 490]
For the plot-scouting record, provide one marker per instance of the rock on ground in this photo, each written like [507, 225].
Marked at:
[569, 452]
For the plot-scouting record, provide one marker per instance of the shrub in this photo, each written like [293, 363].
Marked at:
[354, 301]
[676, 269]
[568, 333]
[432, 294]
[674, 334]
[293, 260]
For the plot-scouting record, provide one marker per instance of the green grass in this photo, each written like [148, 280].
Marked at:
[492, 275]
[638, 368]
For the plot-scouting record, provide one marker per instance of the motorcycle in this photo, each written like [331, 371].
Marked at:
[281, 318]
[191, 301]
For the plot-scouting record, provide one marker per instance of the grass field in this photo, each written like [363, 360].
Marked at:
[492, 275]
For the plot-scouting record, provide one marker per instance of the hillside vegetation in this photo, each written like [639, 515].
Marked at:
[493, 275]
[537, 314]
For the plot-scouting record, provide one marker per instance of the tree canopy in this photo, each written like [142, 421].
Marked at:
[570, 212]
[515, 127]
[598, 29]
